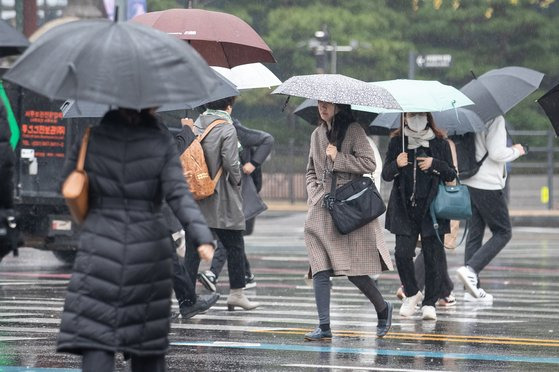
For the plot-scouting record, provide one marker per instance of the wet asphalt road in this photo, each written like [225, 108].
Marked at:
[519, 332]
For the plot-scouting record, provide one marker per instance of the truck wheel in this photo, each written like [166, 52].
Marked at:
[67, 257]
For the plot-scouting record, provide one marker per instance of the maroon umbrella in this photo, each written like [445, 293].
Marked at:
[222, 39]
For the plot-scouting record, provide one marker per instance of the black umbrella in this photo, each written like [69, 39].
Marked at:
[308, 111]
[11, 40]
[83, 109]
[121, 64]
[497, 91]
[550, 104]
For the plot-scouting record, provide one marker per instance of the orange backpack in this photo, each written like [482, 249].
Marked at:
[195, 169]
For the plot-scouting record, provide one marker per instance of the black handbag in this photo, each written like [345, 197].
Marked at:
[354, 204]
[253, 204]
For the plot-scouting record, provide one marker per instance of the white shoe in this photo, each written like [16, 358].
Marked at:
[429, 313]
[409, 304]
[469, 278]
[484, 297]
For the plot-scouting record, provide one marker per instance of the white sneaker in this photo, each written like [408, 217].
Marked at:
[429, 313]
[484, 297]
[409, 304]
[469, 278]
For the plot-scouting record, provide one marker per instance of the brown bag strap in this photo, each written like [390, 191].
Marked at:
[203, 135]
[83, 150]
[210, 127]
[217, 175]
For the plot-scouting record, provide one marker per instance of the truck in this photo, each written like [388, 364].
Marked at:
[45, 140]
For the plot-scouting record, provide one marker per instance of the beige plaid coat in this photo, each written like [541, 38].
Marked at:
[362, 252]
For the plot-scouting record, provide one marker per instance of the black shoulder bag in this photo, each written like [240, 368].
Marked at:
[354, 204]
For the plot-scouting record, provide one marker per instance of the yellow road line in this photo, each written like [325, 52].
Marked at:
[430, 337]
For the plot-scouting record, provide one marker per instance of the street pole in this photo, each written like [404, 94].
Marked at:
[334, 57]
[550, 150]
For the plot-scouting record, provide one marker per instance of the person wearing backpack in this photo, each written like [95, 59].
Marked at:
[223, 209]
[489, 207]
[256, 146]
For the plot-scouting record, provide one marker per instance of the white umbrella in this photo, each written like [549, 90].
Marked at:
[249, 76]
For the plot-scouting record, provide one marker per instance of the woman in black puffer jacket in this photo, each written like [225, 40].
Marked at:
[119, 297]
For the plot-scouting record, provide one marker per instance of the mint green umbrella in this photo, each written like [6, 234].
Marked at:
[420, 96]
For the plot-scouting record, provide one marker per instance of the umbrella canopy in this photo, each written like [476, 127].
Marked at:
[83, 109]
[120, 64]
[337, 88]
[222, 39]
[421, 96]
[308, 110]
[550, 104]
[249, 76]
[11, 40]
[499, 90]
[455, 121]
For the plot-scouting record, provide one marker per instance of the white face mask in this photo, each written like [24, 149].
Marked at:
[417, 123]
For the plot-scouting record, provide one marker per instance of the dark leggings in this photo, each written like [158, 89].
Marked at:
[104, 361]
[321, 284]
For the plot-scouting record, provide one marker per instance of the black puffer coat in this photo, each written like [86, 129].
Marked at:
[119, 297]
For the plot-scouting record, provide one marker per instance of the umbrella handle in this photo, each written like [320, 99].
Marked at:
[402, 130]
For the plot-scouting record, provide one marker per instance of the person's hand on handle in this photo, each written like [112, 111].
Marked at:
[206, 252]
[520, 149]
[402, 159]
[248, 168]
[424, 163]
[187, 121]
[331, 151]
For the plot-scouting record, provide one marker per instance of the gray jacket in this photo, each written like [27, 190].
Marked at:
[222, 210]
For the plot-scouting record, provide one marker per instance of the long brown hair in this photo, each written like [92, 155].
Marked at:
[439, 133]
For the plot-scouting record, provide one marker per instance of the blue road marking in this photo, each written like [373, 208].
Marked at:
[386, 352]
[36, 369]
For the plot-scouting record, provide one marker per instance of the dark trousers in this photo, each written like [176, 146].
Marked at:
[447, 286]
[433, 252]
[234, 247]
[183, 285]
[321, 285]
[220, 257]
[489, 208]
[104, 361]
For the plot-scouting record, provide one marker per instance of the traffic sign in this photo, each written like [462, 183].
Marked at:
[433, 60]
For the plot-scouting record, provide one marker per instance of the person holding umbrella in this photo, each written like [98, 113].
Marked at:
[416, 170]
[489, 207]
[119, 296]
[340, 145]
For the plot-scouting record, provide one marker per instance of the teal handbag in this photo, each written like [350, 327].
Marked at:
[451, 203]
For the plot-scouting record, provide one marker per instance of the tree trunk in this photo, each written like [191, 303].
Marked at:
[85, 9]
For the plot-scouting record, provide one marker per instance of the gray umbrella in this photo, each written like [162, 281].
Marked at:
[458, 121]
[338, 88]
[83, 109]
[122, 64]
[11, 40]
[497, 91]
